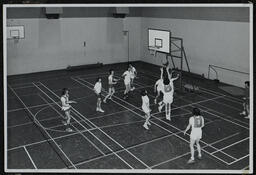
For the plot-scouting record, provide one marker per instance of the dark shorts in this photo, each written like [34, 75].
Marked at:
[110, 86]
[99, 95]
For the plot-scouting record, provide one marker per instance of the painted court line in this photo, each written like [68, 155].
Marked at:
[89, 130]
[222, 113]
[27, 123]
[208, 91]
[42, 141]
[188, 153]
[41, 105]
[129, 147]
[157, 124]
[230, 145]
[241, 158]
[30, 157]
[106, 133]
[38, 123]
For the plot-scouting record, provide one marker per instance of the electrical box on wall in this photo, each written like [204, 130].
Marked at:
[53, 12]
[121, 12]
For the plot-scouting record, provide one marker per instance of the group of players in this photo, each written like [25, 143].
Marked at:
[164, 85]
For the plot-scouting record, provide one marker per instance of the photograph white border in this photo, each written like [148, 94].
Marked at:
[5, 6]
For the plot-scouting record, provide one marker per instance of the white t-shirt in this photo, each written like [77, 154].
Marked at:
[133, 70]
[97, 87]
[110, 79]
[196, 122]
[64, 102]
[145, 104]
[127, 76]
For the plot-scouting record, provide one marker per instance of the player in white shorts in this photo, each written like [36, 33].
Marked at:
[127, 82]
[97, 89]
[196, 122]
[168, 94]
[111, 82]
[133, 73]
[66, 107]
[146, 108]
[159, 86]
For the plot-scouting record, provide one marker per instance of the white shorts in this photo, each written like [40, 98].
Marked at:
[132, 76]
[168, 98]
[65, 108]
[196, 134]
[127, 82]
[145, 109]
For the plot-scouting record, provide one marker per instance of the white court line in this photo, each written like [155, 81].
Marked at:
[42, 141]
[77, 129]
[129, 147]
[27, 123]
[221, 103]
[206, 90]
[30, 157]
[239, 160]
[220, 116]
[80, 98]
[187, 153]
[38, 123]
[106, 133]
[83, 126]
[154, 122]
[230, 145]
[209, 109]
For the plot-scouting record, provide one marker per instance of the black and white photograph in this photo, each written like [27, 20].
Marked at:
[128, 88]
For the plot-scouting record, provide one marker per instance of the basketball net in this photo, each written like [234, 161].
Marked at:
[16, 39]
[152, 50]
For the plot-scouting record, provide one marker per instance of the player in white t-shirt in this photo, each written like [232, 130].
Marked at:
[168, 94]
[146, 107]
[97, 89]
[111, 82]
[66, 107]
[127, 82]
[133, 73]
[196, 122]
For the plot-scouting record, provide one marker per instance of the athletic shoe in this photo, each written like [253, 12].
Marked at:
[104, 101]
[133, 88]
[69, 130]
[199, 157]
[191, 161]
[168, 118]
[64, 123]
[100, 110]
[247, 117]
[145, 126]
[97, 109]
[243, 113]
[160, 108]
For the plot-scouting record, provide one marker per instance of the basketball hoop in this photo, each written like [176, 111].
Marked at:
[16, 39]
[152, 50]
